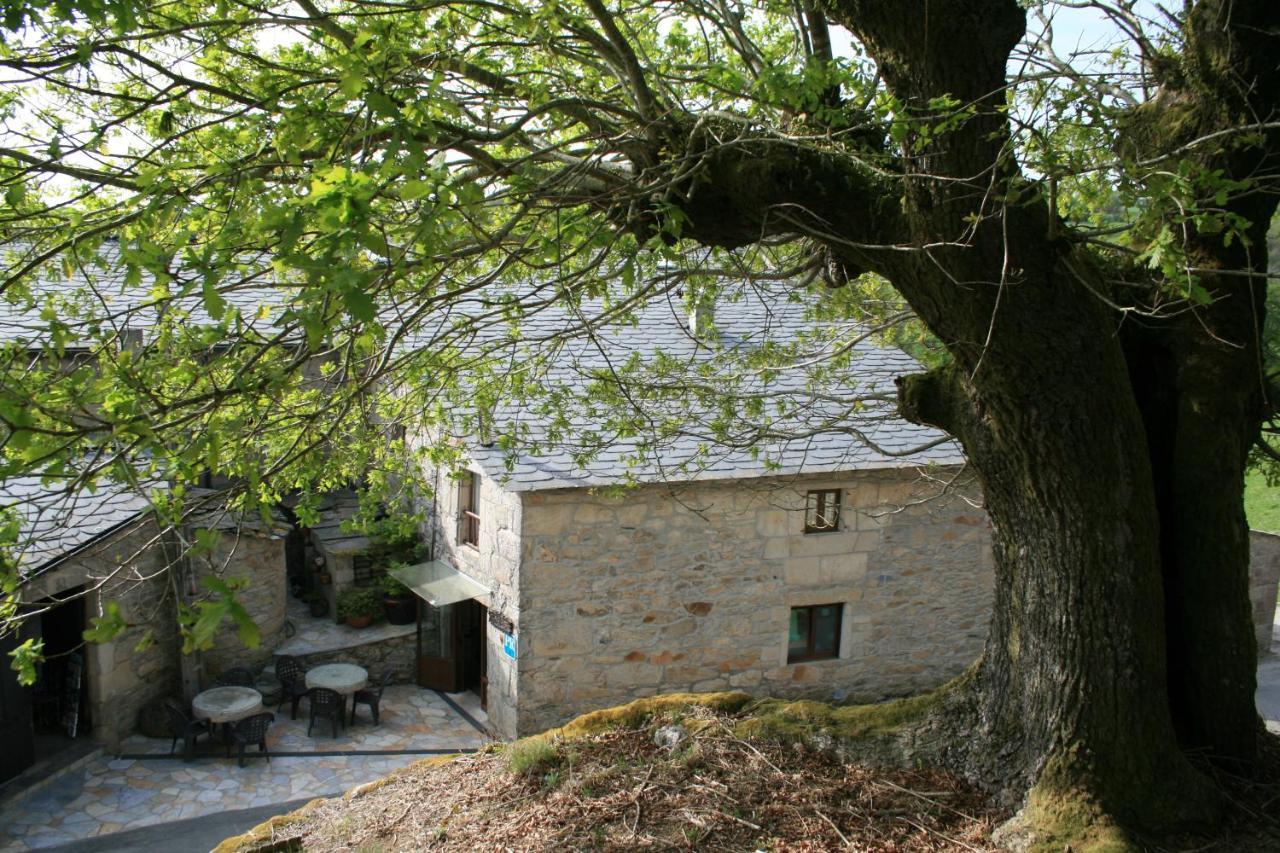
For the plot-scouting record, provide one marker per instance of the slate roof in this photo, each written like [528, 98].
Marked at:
[55, 522]
[820, 432]
[827, 436]
[102, 289]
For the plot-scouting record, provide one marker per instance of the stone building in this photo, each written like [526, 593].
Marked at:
[85, 551]
[830, 565]
[844, 557]
[594, 600]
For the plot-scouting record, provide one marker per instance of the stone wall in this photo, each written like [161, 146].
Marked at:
[495, 563]
[690, 588]
[127, 567]
[1264, 578]
[130, 568]
[258, 559]
[396, 654]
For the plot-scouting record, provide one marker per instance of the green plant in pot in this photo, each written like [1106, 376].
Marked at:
[398, 601]
[359, 605]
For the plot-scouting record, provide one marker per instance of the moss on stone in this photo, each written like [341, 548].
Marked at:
[800, 720]
[638, 713]
[268, 830]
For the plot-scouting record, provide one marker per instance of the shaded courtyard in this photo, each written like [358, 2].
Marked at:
[145, 785]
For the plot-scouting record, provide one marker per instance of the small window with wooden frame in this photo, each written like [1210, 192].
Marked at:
[822, 511]
[469, 509]
[814, 632]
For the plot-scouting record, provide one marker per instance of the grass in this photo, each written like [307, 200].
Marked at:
[532, 755]
[1261, 503]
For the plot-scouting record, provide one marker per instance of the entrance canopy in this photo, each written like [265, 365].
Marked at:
[439, 583]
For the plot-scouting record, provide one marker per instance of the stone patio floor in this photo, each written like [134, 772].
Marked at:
[110, 794]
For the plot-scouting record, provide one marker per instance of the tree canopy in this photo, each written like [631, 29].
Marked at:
[1075, 239]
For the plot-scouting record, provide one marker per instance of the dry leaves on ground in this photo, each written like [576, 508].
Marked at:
[619, 791]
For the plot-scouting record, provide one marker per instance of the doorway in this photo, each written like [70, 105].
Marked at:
[38, 722]
[17, 751]
[62, 690]
[451, 648]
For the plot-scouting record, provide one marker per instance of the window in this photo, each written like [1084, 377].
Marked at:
[469, 509]
[822, 511]
[815, 632]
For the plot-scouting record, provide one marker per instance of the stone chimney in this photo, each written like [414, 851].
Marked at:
[702, 314]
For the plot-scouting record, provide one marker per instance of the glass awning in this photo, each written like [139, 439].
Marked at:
[439, 583]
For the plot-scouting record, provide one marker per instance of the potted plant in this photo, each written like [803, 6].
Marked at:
[398, 601]
[359, 605]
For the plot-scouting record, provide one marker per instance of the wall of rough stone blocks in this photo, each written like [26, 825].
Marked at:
[495, 563]
[1264, 579]
[690, 588]
[130, 568]
[260, 561]
[396, 654]
[127, 568]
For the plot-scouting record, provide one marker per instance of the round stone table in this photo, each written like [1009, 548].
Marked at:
[227, 704]
[344, 678]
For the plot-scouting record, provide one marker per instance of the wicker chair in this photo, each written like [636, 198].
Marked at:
[248, 731]
[293, 682]
[371, 696]
[326, 703]
[237, 677]
[181, 725]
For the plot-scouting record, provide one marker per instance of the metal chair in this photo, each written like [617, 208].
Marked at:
[182, 725]
[326, 703]
[370, 696]
[251, 730]
[237, 677]
[293, 682]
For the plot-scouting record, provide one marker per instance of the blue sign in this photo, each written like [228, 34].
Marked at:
[509, 645]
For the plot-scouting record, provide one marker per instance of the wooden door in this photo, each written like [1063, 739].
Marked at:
[437, 648]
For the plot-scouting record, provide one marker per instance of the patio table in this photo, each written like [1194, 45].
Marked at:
[227, 704]
[343, 678]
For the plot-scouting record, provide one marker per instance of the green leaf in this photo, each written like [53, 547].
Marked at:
[108, 626]
[352, 83]
[26, 657]
[359, 304]
[412, 190]
[213, 301]
[381, 104]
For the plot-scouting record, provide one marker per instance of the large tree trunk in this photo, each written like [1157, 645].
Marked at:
[1113, 478]
[1110, 443]
[1071, 694]
[1202, 401]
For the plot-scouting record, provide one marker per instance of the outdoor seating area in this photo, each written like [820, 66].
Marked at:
[144, 784]
[233, 711]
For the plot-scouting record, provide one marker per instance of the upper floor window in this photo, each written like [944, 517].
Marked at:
[469, 509]
[822, 511]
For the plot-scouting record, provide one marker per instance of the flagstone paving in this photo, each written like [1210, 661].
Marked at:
[111, 794]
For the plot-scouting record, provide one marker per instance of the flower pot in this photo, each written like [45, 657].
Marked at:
[325, 578]
[400, 610]
[359, 621]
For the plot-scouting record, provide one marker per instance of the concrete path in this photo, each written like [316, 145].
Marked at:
[110, 795]
[193, 835]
